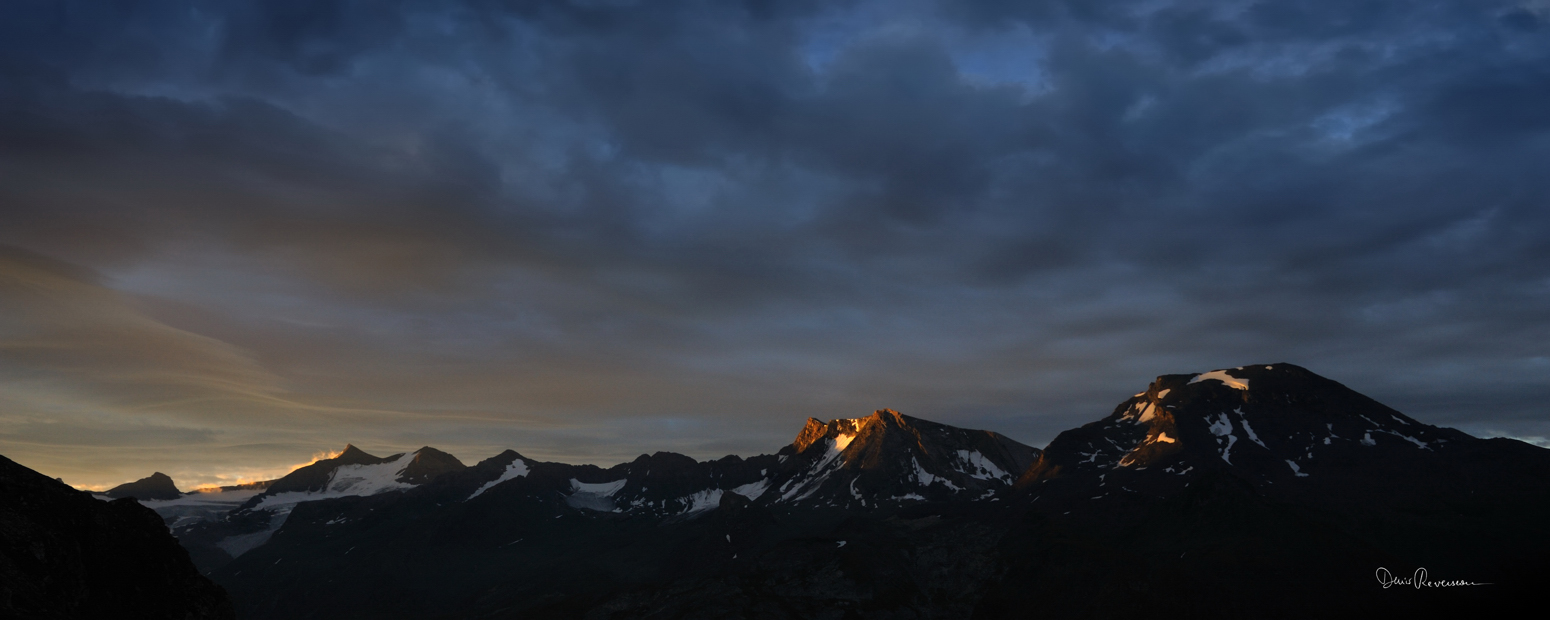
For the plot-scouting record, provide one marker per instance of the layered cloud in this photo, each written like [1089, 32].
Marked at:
[589, 229]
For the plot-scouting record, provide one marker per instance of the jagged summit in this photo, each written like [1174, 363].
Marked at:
[891, 457]
[1269, 421]
[880, 460]
[155, 486]
[887, 430]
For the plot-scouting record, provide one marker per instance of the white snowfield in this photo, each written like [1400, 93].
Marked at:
[348, 481]
[594, 495]
[702, 501]
[604, 489]
[921, 475]
[204, 498]
[199, 505]
[981, 468]
[516, 469]
[1221, 375]
[345, 481]
[753, 490]
[927, 479]
[822, 470]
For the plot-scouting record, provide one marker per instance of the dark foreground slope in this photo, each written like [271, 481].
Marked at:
[1264, 491]
[64, 554]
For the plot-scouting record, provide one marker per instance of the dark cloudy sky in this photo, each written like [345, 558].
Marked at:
[234, 234]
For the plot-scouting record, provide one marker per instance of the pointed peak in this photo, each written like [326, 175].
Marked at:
[351, 455]
[505, 458]
[890, 416]
[427, 464]
[811, 432]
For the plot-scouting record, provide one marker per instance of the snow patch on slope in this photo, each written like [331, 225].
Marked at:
[516, 469]
[1222, 427]
[921, 475]
[348, 481]
[830, 457]
[1221, 375]
[753, 490]
[702, 501]
[593, 495]
[605, 489]
[1296, 470]
[1250, 430]
[980, 468]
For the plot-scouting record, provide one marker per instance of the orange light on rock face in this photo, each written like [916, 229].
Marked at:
[320, 456]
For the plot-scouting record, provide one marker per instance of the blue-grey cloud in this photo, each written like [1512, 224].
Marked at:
[561, 219]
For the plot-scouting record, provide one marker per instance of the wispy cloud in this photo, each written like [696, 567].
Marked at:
[536, 225]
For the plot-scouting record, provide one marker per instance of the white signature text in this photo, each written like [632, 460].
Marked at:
[1419, 580]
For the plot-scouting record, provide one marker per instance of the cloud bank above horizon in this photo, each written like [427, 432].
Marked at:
[234, 235]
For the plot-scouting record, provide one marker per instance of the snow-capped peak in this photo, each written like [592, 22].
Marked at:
[1214, 420]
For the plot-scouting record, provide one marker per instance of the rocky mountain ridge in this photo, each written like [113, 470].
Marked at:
[1265, 472]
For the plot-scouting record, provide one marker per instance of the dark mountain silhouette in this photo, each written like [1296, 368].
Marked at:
[65, 554]
[156, 486]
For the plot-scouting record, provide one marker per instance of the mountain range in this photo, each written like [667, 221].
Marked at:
[1261, 491]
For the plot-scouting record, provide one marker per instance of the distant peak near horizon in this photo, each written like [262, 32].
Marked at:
[155, 486]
